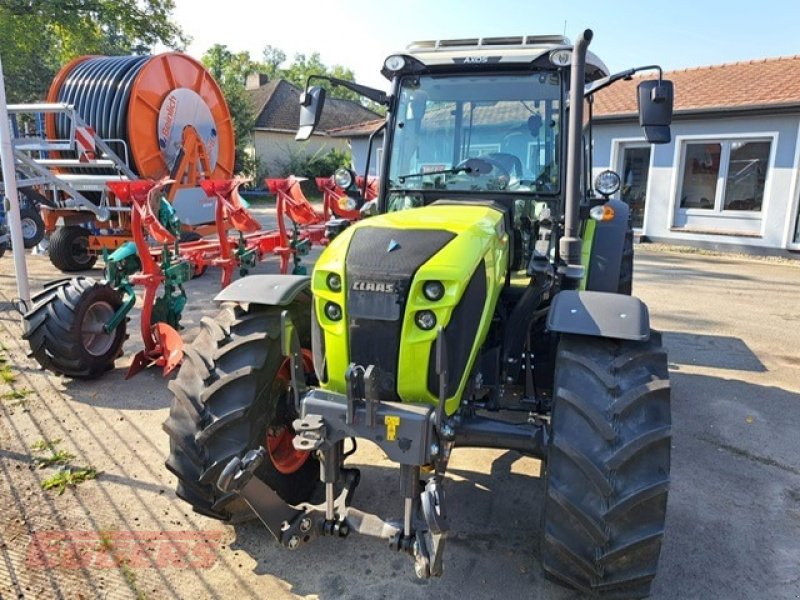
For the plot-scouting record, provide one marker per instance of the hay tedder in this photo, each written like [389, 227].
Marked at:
[76, 326]
[485, 302]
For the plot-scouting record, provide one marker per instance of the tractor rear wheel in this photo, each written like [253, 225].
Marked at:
[69, 249]
[608, 466]
[232, 395]
[65, 327]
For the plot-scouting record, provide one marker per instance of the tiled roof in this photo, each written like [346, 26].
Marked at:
[359, 129]
[741, 85]
[277, 106]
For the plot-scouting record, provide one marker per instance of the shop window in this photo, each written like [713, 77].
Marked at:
[727, 175]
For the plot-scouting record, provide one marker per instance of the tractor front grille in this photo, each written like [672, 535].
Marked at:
[380, 265]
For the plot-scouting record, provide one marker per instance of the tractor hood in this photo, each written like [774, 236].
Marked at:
[369, 299]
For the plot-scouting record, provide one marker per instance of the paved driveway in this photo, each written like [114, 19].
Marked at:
[733, 332]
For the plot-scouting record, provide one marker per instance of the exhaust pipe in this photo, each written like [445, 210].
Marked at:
[570, 247]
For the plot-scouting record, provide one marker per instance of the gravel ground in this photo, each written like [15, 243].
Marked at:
[733, 331]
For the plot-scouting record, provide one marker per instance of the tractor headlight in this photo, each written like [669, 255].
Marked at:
[347, 203]
[333, 311]
[433, 290]
[395, 62]
[334, 282]
[425, 319]
[343, 178]
[607, 183]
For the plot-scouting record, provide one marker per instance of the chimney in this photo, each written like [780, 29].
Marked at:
[256, 80]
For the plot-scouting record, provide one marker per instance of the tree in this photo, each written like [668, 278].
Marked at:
[38, 36]
[230, 70]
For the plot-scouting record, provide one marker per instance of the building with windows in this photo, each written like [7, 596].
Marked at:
[730, 178]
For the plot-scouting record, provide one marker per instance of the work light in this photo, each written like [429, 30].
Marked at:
[394, 62]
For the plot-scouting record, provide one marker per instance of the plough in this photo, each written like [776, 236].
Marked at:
[77, 326]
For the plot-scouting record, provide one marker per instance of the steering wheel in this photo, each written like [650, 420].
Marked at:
[510, 162]
[483, 166]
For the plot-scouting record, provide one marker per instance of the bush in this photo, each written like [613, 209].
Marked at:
[318, 164]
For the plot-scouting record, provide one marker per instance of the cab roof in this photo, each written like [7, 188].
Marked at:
[504, 50]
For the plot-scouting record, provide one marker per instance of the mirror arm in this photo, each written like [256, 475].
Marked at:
[368, 92]
[626, 74]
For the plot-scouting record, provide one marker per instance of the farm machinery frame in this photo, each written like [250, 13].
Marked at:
[76, 326]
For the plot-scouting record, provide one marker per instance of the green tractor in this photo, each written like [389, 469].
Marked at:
[482, 301]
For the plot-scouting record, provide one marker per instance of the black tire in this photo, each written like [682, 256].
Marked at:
[226, 396]
[32, 225]
[62, 327]
[608, 466]
[626, 268]
[69, 249]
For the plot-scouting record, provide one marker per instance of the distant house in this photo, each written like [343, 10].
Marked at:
[277, 106]
[730, 178]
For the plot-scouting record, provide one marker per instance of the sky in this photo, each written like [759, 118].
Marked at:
[359, 34]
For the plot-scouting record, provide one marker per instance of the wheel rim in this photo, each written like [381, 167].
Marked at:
[95, 339]
[80, 250]
[28, 228]
[282, 453]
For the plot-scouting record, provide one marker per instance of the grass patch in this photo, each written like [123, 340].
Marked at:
[20, 394]
[57, 457]
[127, 573]
[7, 375]
[68, 476]
[43, 445]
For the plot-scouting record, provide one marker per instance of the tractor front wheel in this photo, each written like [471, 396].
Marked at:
[69, 249]
[608, 466]
[65, 327]
[232, 395]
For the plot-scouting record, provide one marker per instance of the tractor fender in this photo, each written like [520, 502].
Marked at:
[272, 290]
[599, 314]
[607, 249]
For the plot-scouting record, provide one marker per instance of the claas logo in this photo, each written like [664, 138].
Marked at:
[373, 286]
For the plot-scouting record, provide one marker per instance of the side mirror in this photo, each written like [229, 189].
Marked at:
[655, 99]
[311, 103]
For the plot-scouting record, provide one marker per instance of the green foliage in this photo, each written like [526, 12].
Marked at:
[230, 70]
[318, 164]
[68, 477]
[38, 36]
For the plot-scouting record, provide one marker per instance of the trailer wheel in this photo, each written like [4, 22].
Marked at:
[608, 466]
[69, 249]
[32, 225]
[65, 327]
[231, 396]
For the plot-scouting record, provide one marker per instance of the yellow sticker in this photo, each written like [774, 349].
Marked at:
[392, 423]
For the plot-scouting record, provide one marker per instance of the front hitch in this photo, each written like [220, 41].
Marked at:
[408, 434]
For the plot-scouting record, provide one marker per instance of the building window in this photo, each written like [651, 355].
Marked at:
[635, 171]
[728, 175]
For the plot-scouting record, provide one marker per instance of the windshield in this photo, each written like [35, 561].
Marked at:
[477, 133]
